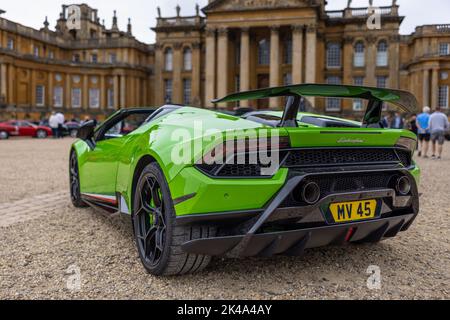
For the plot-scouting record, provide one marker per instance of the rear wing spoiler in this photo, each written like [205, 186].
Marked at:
[376, 97]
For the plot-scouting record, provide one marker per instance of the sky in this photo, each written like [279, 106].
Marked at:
[143, 12]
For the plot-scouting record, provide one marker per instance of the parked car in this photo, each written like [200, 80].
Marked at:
[22, 128]
[70, 128]
[330, 181]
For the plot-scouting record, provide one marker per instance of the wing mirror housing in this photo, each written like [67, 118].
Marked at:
[86, 131]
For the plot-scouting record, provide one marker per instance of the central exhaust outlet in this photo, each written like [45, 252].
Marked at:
[311, 193]
[403, 186]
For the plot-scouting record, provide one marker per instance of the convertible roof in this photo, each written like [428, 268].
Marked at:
[402, 99]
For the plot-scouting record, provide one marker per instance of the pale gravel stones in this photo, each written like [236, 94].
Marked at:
[36, 252]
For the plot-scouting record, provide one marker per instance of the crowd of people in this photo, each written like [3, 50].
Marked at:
[430, 128]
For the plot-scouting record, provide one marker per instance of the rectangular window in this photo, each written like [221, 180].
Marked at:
[94, 98]
[76, 58]
[187, 91]
[10, 44]
[168, 90]
[443, 97]
[359, 59]
[382, 81]
[333, 104]
[288, 52]
[58, 97]
[40, 95]
[36, 51]
[94, 58]
[334, 55]
[358, 103]
[110, 99]
[51, 55]
[444, 49]
[287, 79]
[76, 98]
[112, 58]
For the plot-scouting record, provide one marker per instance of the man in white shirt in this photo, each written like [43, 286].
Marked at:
[438, 127]
[53, 122]
[61, 120]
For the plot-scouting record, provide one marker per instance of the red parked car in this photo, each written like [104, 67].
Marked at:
[23, 129]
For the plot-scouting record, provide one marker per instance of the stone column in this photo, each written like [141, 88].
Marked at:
[159, 63]
[222, 64]
[297, 54]
[434, 88]
[50, 97]
[245, 63]
[3, 81]
[311, 52]
[177, 95]
[426, 88]
[68, 92]
[116, 92]
[371, 61]
[123, 91]
[102, 93]
[274, 63]
[394, 61]
[210, 85]
[85, 104]
[196, 74]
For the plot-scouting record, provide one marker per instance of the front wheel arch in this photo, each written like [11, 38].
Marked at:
[140, 166]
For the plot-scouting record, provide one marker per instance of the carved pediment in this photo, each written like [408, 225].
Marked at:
[240, 5]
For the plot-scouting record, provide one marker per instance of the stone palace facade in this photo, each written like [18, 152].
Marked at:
[228, 46]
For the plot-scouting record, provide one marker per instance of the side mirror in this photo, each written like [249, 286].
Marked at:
[86, 131]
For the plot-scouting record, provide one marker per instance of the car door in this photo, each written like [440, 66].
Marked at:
[99, 169]
[26, 129]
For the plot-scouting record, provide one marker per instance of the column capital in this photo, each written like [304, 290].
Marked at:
[275, 28]
[178, 45]
[196, 45]
[245, 29]
[394, 38]
[210, 31]
[349, 40]
[223, 31]
[298, 27]
[311, 28]
[371, 39]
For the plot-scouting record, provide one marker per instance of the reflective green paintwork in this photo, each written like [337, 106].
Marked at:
[108, 169]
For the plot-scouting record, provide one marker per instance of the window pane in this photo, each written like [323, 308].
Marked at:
[444, 49]
[287, 79]
[58, 97]
[333, 55]
[264, 52]
[381, 82]
[443, 96]
[40, 95]
[359, 55]
[168, 91]
[382, 54]
[187, 91]
[94, 98]
[187, 59]
[110, 98]
[76, 98]
[333, 104]
[168, 60]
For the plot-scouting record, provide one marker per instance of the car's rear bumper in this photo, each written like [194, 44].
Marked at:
[251, 233]
[296, 241]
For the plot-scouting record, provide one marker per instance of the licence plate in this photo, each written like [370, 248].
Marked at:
[353, 211]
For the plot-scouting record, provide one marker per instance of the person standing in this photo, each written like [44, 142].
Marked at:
[438, 126]
[398, 122]
[423, 129]
[61, 120]
[54, 123]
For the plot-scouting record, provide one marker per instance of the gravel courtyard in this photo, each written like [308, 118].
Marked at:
[43, 238]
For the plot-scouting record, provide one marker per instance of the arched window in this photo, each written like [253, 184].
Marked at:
[334, 55]
[168, 56]
[382, 54]
[264, 52]
[288, 51]
[187, 59]
[359, 55]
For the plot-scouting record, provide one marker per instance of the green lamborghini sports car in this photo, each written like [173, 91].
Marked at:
[197, 183]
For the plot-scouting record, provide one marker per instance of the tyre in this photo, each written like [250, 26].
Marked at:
[4, 135]
[41, 134]
[75, 194]
[158, 239]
